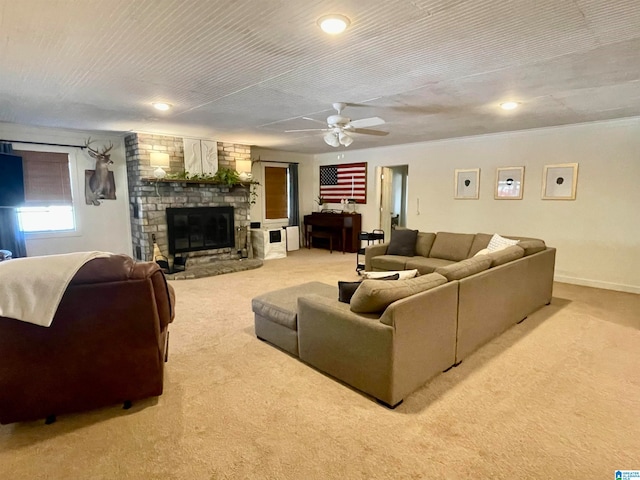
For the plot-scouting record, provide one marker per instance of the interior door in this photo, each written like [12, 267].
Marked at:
[386, 200]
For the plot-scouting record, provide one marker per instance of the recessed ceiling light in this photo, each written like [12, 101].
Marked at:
[333, 24]
[509, 105]
[161, 106]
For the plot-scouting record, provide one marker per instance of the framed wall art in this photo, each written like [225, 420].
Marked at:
[559, 181]
[347, 181]
[467, 184]
[509, 183]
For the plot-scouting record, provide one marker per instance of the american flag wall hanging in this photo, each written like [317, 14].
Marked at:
[343, 182]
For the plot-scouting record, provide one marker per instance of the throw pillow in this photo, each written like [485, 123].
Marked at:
[347, 289]
[403, 274]
[484, 251]
[372, 297]
[498, 243]
[403, 242]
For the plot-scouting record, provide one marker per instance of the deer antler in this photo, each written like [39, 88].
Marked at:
[104, 152]
[88, 142]
[93, 152]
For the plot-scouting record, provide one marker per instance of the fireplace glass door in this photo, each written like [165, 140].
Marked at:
[200, 228]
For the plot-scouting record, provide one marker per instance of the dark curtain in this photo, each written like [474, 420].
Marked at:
[11, 237]
[294, 201]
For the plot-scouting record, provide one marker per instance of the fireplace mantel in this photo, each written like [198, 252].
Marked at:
[193, 182]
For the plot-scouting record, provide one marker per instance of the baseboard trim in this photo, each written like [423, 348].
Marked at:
[597, 284]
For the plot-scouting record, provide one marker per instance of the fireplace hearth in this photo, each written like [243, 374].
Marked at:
[200, 228]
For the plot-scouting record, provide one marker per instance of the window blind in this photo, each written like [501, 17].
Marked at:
[46, 178]
[275, 188]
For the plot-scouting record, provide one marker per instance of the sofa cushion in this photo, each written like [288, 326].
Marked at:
[374, 296]
[426, 265]
[465, 268]
[498, 242]
[451, 246]
[347, 289]
[389, 262]
[532, 246]
[402, 274]
[424, 242]
[505, 255]
[403, 242]
[480, 242]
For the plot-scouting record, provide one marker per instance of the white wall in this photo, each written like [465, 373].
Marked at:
[105, 227]
[597, 235]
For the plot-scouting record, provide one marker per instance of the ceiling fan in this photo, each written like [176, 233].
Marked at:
[339, 128]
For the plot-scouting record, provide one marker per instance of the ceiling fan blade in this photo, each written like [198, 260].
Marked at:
[306, 130]
[368, 131]
[314, 120]
[367, 122]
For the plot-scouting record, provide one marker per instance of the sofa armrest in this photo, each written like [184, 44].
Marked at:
[425, 327]
[373, 251]
[165, 298]
[355, 348]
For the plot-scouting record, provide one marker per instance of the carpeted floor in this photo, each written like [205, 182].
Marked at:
[555, 397]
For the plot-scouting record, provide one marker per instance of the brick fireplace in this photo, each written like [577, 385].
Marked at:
[150, 199]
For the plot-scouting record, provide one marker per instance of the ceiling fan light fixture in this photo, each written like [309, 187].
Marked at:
[334, 24]
[345, 139]
[331, 139]
[509, 105]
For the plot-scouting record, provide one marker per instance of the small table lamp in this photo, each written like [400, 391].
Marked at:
[160, 161]
[243, 167]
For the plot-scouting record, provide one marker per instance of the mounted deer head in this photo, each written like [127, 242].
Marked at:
[100, 183]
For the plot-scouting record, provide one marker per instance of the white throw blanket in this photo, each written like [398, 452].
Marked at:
[31, 288]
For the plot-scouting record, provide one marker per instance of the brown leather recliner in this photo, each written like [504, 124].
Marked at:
[107, 344]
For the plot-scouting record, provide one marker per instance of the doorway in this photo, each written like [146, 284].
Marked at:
[393, 197]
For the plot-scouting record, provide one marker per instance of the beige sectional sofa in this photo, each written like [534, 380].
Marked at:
[396, 335]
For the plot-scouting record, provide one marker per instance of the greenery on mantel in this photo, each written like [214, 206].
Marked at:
[224, 176]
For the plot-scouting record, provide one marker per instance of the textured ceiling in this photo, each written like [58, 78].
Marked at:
[247, 70]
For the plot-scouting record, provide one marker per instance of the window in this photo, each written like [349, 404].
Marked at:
[276, 193]
[48, 203]
[46, 219]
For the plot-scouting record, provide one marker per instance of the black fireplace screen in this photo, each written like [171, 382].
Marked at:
[200, 228]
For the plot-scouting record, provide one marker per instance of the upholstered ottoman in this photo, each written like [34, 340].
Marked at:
[276, 313]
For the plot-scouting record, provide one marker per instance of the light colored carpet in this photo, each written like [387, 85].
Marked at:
[555, 397]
